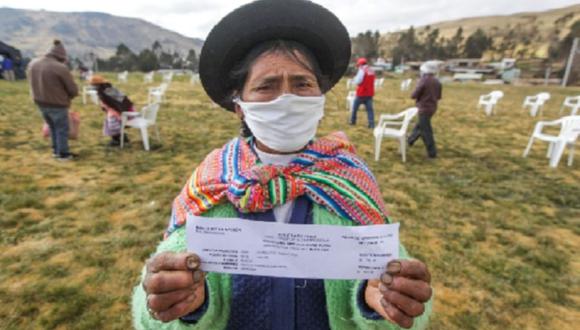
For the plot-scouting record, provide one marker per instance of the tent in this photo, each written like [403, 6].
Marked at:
[19, 63]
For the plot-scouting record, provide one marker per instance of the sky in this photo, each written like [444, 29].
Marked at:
[195, 18]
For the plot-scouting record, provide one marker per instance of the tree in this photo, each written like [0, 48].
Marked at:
[476, 44]
[191, 61]
[453, 46]
[123, 50]
[407, 48]
[124, 59]
[431, 47]
[177, 61]
[157, 49]
[367, 44]
[166, 60]
[508, 44]
[147, 61]
[375, 43]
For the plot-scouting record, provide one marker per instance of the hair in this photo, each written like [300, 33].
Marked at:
[289, 48]
[56, 42]
[245, 131]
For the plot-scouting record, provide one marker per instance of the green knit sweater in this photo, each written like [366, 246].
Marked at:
[341, 295]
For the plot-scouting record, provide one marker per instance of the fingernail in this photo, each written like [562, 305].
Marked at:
[384, 303]
[192, 262]
[383, 288]
[394, 267]
[386, 279]
[197, 276]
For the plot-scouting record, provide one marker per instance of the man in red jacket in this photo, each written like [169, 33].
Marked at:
[365, 80]
[427, 94]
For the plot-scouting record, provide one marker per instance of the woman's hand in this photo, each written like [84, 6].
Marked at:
[401, 292]
[174, 285]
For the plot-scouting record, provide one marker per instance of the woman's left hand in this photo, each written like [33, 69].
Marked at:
[401, 293]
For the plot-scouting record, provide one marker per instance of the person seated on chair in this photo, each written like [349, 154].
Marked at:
[271, 64]
[113, 102]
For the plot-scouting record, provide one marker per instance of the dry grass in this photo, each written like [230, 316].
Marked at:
[500, 232]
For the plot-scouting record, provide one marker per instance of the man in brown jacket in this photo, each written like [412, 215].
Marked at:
[53, 88]
[427, 94]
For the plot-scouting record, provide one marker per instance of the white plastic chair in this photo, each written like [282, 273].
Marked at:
[350, 100]
[168, 77]
[489, 101]
[89, 75]
[379, 82]
[572, 102]
[569, 132]
[535, 103]
[350, 83]
[157, 94]
[384, 129]
[194, 78]
[92, 93]
[142, 120]
[149, 77]
[406, 84]
[122, 77]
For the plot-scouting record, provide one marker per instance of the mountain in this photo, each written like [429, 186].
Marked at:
[524, 35]
[32, 31]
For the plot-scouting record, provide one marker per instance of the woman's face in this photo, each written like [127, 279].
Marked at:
[274, 74]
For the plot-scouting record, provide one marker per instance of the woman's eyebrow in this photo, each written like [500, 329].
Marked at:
[267, 80]
[272, 79]
[302, 77]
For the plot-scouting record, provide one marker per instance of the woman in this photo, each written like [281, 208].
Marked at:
[279, 57]
[113, 103]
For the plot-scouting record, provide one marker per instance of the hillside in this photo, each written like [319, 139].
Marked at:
[521, 35]
[32, 32]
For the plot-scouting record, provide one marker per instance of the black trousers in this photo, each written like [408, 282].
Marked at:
[423, 129]
[117, 138]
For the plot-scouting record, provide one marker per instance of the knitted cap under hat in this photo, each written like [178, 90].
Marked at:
[58, 51]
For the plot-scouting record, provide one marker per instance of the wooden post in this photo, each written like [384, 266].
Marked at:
[547, 76]
[570, 61]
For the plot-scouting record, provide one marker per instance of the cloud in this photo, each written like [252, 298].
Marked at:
[179, 7]
[191, 18]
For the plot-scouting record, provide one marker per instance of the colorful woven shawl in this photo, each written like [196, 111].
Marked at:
[328, 172]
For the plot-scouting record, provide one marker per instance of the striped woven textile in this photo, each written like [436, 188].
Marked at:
[328, 172]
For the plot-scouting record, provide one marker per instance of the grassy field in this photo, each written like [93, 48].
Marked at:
[499, 232]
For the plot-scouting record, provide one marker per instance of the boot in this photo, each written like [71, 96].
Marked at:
[115, 140]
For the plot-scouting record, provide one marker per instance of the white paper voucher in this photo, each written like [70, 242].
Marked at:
[237, 246]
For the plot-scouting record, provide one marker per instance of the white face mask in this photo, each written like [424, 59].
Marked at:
[285, 124]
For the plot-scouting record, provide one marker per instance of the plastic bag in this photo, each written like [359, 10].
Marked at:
[74, 123]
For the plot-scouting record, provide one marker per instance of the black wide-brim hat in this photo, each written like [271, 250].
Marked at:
[250, 25]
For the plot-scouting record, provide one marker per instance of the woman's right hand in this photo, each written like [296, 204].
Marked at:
[174, 284]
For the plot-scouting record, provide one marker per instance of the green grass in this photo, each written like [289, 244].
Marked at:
[500, 233]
